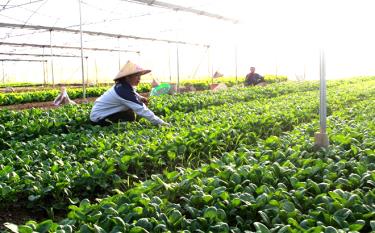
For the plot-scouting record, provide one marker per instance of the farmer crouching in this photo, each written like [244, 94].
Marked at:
[121, 102]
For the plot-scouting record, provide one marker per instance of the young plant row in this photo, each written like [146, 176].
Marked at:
[280, 184]
[58, 167]
[25, 125]
[29, 124]
[104, 158]
[48, 95]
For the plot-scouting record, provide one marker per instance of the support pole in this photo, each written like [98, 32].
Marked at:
[44, 70]
[321, 137]
[119, 53]
[50, 44]
[87, 70]
[178, 69]
[44, 73]
[169, 64]
[276, 67]
[2, 66]
[236, 60]
[82, 66]
[210, 67]
[96, 73]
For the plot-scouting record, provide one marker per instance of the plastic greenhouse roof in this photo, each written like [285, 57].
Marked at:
[123, 17]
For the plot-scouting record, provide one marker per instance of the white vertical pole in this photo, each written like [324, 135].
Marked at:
[236, 60]
[82, 68]
[321, 138]
[119, 53]
[323, 102]
[50, 44]
[87, 70]
[169, 63]
[44, 70]
[2, 65]
[96, 73]
[210, 67]
[178, 69]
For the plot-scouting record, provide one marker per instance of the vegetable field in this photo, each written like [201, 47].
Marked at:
[240, 160]
[40, 94]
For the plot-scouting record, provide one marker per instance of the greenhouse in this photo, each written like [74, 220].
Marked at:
[187, 116]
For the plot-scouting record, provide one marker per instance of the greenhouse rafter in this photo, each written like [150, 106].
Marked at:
[47, 28]
[38, 55]
[27, 60]
[8, 6]
[65, 47]
[183, 8]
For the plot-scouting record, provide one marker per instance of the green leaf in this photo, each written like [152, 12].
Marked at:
[143, 222]
[264, 216]
[98, 229]
[138, 210]
[126, 158]
[84, 203]
[218, 191]
[372, 224]
[287, 206]
[210, 213]
[45, 226]
[284, 229]
[137, 229]
[342, 139]
[330, 229]
[341, 215]
[357, 226]
[25, 229]
[174, 216]
[220, 227]
[207, 198]
[260, 228]
[235, 202]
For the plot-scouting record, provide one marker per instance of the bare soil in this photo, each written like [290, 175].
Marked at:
[44, 105]
[49, 104]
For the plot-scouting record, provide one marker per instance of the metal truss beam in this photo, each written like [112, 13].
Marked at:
[183, 8]
[63, 47]
[38, 55]
[92, 33]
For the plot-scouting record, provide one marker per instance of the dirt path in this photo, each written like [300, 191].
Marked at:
[43, 105]
[49, 104]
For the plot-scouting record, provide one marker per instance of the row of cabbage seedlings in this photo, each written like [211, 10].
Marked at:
[277, 184]
[29, 124]
[82, 164]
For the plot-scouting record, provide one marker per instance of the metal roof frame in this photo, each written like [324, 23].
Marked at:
[47, 28]
[38, 55]
[28, 60]
[182, 8]
[64, 47]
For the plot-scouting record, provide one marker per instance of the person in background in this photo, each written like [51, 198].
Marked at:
[63, 98]
[253, 78]
[121, 102]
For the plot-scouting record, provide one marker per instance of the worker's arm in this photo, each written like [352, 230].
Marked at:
[129, 97]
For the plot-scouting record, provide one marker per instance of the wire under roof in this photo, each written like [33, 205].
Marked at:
[40, 27]
[183, 8]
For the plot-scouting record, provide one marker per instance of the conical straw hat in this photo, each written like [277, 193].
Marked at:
[130, 68]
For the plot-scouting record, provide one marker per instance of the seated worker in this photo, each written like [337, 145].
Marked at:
[63, 98]
[121, 101]
[253, 78]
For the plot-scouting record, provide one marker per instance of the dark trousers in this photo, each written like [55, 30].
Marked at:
[128, 115]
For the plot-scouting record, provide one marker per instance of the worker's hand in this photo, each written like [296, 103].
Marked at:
[144, 100]
[165, 124]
